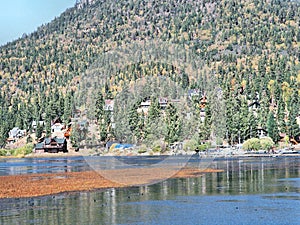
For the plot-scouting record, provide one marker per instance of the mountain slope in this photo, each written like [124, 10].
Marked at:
[246, 44]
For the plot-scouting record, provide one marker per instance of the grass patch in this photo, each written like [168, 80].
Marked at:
[142, 149]
[22, 151]
[3, 152]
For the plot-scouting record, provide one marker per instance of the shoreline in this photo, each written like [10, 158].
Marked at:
[78, 154]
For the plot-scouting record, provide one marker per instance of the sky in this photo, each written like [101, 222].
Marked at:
[25, 16]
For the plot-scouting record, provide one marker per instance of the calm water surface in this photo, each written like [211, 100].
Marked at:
[249, 191]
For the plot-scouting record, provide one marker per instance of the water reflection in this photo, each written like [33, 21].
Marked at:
[42, 165]
[251, 190]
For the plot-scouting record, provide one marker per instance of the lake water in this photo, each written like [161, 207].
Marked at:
[250, 191]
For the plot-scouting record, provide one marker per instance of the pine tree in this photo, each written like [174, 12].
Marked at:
[75, 136]
[293, 107]
[185, 81]
[173, 124]
[99, 108]
[48, 120]
[154, 109]
[103, 117]
[134, 120]
[232, 119]
[68, 107]
[272, 128]
[39, 129]
[244, 121]
[253, 124]
[152, 128]
[105, 126]
[281, 116]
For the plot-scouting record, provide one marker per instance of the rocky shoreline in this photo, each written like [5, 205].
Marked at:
[220, 154]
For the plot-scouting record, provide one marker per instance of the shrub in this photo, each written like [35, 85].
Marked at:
[252, 144]
[142, 149]
[158, 146]
[266, 143]
[190, 145]
[203, 147]
[3, 152]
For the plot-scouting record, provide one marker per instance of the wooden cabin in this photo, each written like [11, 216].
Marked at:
[52, 145]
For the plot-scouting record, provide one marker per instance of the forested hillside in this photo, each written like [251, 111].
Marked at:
[252, 48]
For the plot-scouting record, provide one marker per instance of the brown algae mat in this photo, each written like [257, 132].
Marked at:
[31, 185]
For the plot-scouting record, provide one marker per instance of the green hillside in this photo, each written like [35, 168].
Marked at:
[251, 49]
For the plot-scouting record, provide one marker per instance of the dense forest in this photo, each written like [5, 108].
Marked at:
[249, 49]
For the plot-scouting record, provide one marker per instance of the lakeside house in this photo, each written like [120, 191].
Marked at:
[163, 103]
[35, 123]
[193, 93]
[15, 134]
[51, 145]
[57, 127]
[261, 132]
[144, 107]
[109, 105]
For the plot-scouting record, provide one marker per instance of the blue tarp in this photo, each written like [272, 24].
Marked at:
[123, 146]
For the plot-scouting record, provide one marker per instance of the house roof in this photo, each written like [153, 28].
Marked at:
[261, 128]
[55, 139]
[34, 122]
[15, 130]
[163, 100]
[254, 103]
[39, 145]
[56, 120]
[109, 101]
[146, 103]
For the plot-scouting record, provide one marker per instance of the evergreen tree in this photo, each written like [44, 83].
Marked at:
[48, 120]
[173, 124]
[103, 117]
[232, 119]
[185, 81]
[152, 130]
[154, 109]
[39, 129]
[140, 129]
[134, 121]
[253, 124]
[105, 125]
[293, 107]
[99, 108]
[281, 116]
[75, 136]
[272, 128]
[68, 107]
